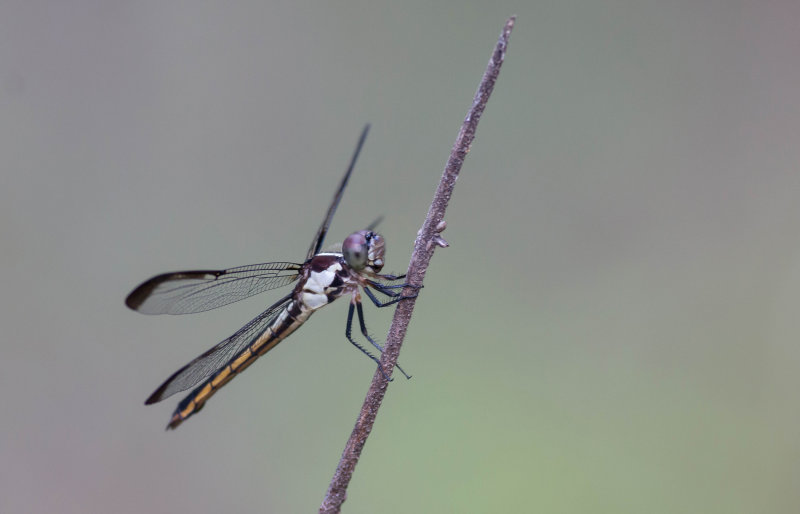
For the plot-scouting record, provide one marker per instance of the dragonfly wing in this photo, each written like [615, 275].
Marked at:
[185, 292]
[217, 357]
[319, 238]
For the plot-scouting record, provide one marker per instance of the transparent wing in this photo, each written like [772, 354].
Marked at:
[185, 292]
[319, 238]
[218, 356]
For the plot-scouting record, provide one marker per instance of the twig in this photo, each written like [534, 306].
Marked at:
[427, 239]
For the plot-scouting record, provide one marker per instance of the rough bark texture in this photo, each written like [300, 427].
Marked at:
[428, 239]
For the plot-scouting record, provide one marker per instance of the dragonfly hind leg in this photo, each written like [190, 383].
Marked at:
[348, 333]
[374, 343]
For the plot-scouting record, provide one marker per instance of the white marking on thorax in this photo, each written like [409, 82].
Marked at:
[316, 287]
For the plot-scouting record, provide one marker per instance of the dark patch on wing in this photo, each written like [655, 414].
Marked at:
[185, 292]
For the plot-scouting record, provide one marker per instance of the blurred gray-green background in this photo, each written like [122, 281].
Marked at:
[613, 329]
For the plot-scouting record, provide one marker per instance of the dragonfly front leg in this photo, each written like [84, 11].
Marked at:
[387, 290]
[390, 277]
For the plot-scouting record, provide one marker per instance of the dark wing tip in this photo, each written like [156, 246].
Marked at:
[155, 397]
[161, 393]
[158, 394]
[143, 291]
[139, 295]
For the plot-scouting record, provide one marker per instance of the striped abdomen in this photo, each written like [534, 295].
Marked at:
[325, 278]
[287, 322]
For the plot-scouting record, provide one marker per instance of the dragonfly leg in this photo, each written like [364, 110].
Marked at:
[389, 276]
[396, 297]
[360, 311]
[392, 278]
[348, 333]
[387, 288]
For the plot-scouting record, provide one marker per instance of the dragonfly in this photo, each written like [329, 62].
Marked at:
[323, 277]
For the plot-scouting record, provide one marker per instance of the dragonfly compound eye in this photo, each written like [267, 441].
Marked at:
[354, 250]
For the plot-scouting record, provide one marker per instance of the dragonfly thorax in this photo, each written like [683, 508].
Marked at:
[363, 251]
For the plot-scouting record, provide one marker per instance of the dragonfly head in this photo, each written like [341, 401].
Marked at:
[363, 251]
